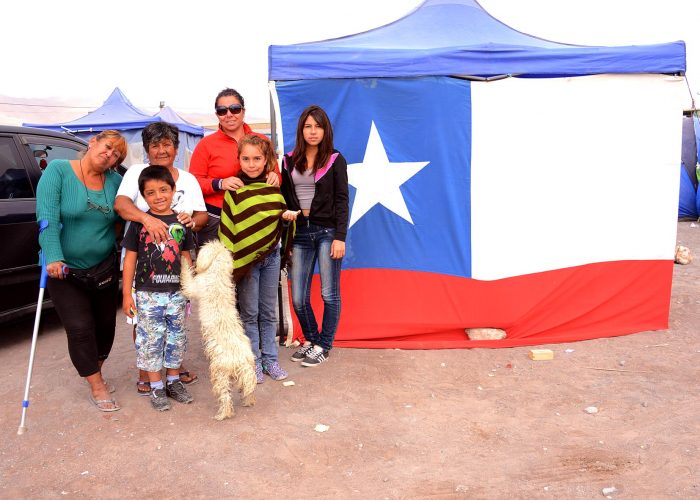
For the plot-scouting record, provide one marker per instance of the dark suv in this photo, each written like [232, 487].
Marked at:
[24, 153]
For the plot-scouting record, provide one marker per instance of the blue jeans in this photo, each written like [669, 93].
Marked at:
[257, 301]
[311, 244]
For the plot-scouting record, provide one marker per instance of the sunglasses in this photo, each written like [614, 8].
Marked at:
[235, 109]
[95, 206]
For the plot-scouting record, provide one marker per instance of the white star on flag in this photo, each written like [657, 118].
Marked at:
[377, 180]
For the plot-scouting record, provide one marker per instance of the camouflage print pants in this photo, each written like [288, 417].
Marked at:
[161, 339]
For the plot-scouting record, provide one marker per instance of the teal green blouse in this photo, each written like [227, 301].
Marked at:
[79, 234]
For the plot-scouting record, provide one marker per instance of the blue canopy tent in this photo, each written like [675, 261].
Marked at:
[458, 37]
[190, 134]
[488, 169]
[689, 196]
[118, 113]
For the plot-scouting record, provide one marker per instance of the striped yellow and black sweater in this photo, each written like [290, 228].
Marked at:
[251, 225]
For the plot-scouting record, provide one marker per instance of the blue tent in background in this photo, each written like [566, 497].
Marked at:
[118, 113]
[190, 134]
[689, 195]
[168, 115]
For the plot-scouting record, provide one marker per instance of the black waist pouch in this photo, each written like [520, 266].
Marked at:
[97, 277]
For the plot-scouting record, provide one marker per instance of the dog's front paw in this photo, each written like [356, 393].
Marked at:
[223, 414]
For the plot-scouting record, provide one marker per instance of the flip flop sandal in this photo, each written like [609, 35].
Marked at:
[192, 380]
[100, 402]
[109, 386]
[143, 388]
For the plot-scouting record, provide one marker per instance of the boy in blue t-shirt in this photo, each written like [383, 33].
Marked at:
[160, 333]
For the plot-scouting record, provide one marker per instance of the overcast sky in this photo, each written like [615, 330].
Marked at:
[183, 53]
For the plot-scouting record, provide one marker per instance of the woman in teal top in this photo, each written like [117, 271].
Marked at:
[76, 198]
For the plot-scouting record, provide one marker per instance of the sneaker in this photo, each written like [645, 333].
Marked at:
[275, 371]
[159, 400]
[314, 357]
[301, 352]
[259, 374]
[178, 392]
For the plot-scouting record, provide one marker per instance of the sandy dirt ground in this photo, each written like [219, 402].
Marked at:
[481, 423]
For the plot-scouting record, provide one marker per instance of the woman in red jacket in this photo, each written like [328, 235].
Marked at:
[215, 159]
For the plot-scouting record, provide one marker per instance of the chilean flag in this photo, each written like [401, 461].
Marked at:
[537, 206]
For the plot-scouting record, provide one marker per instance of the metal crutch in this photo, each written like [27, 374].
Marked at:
[43, 224]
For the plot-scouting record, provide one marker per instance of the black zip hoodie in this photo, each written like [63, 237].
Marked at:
[329, 207]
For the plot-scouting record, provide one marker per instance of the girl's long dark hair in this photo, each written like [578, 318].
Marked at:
[325, 148]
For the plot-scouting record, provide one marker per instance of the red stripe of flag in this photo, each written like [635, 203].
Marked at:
[418, 310]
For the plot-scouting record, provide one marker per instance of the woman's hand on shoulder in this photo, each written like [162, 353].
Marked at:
[156, 228]
[273, 179]
[185, 218]
[231, 183]
[337, 249]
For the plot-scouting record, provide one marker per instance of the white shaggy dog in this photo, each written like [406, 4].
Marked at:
[225, 342]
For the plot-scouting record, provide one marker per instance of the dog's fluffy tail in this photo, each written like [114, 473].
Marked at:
[187, 279]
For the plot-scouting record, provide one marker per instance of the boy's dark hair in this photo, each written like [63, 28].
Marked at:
[155, 173]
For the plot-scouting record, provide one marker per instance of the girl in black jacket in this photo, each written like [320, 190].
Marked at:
[315, 182]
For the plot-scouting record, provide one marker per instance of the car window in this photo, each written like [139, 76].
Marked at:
[14, 181]
[44, 153]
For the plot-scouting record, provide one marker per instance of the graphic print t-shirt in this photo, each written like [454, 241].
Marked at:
[158, 265]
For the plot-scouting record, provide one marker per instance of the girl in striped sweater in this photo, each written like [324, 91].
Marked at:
[252, 228]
